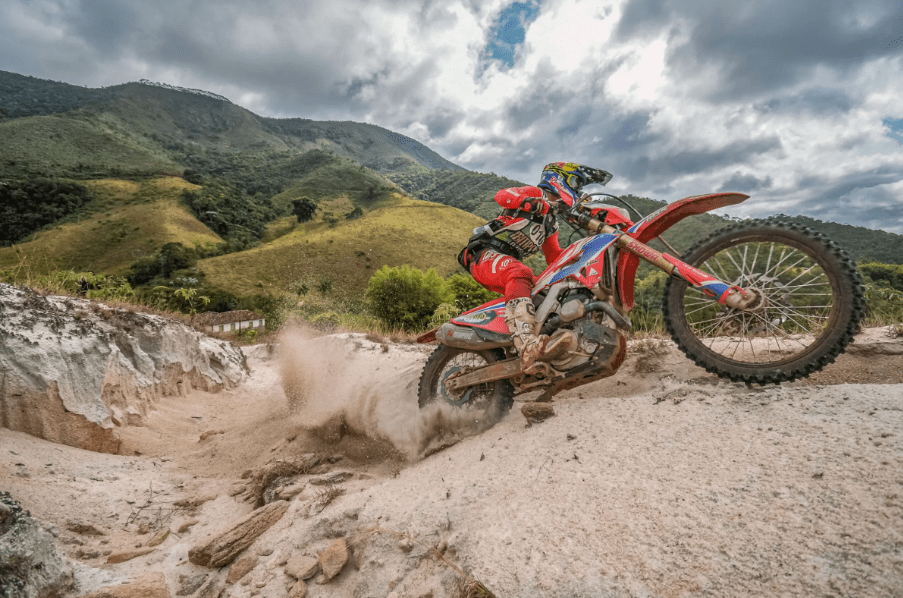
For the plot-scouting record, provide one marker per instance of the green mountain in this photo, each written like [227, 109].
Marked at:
[122, 176]
[161, 126]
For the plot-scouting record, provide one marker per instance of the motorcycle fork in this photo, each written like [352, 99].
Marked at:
[726, 294]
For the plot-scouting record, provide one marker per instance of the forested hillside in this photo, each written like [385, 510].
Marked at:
[864, 244]
[188, 196]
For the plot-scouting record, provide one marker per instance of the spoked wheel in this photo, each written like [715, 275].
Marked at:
[484, 404]
[808, 307]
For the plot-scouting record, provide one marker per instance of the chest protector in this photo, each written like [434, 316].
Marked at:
[525, 232]
[515, 233]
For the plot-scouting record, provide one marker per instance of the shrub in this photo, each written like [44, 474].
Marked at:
[648, 295]
[468, 292]
[884, 305]
[443, 314]
[303, 208]
[891, 274]
[406, 297]
[326, 321]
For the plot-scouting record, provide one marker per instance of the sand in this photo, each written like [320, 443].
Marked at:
[660, 481]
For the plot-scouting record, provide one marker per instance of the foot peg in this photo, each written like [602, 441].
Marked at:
[563, 341]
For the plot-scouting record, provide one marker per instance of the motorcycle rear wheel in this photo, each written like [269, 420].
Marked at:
[812, 303]
[484, 404]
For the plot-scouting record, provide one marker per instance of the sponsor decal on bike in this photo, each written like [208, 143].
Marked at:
[587, 251]
[648, 219]
[477, 317]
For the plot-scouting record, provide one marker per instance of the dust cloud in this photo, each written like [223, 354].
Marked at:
[343, 385]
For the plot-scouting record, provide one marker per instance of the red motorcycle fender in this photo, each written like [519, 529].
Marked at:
[658, 222]
[489, 316]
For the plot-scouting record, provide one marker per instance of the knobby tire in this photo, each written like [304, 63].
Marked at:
[782, 318]
[490, 402]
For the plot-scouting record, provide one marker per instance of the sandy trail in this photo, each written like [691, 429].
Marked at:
[660, 481]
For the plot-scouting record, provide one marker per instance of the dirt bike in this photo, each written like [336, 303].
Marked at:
[758, 302]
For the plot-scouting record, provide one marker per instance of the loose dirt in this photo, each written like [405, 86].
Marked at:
[660, 481]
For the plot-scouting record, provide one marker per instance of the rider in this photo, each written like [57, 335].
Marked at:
[526, 224]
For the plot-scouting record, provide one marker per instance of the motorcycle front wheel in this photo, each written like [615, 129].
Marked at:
[483, 405]
[809, 306]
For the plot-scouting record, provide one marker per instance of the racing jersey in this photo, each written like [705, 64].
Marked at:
[526, 232]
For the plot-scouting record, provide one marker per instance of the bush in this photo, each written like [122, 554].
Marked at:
[327, 321]
[84, 284]
[891, 274]
[406, 297]
[884, 305]
[443, 314]
[468, 292]
[648, 295]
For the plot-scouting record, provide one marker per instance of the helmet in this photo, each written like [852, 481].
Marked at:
[566, 179]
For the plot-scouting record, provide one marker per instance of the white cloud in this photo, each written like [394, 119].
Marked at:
[675, 99]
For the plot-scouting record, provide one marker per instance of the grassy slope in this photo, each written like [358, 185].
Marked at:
[60, 144]
[130, 220]
[400, 231]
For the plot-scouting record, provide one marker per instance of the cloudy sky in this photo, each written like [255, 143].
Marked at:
[799, 104]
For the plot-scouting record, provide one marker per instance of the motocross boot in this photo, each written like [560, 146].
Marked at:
[520, 316]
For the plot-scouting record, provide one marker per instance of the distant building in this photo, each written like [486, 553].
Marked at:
[229, 321]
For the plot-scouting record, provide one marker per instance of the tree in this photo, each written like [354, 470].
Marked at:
[303, 208]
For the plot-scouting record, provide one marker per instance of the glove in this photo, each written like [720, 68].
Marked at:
[535, 205]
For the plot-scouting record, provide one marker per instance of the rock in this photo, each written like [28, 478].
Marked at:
[289, 492]
[159, 537]
[73, 380]
[277, 473]
[187, 525]
[222, 549]
[240, 568]
[121, 557]
[302, 567]
[83, 529]
[210, 433]
[210, 589]
[5, 511]
[191, 503]
[865, 349]
[299, 590]
[149, 586]
[30, 564]
[333, 478]
[190, 583]
[333, 559]
[537, 412]
[406, 545]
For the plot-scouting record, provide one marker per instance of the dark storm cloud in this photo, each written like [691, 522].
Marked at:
[868, 199]
[626, 134]
[763, 46]
[302, 58]
[106, 24]
[441, 120]
[753, 97]
[745, 183]
[684, 162]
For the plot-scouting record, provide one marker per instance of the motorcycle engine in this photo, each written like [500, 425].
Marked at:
[597, 335]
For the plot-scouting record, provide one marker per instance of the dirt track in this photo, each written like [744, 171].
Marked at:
[661, 481]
